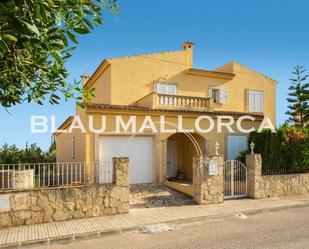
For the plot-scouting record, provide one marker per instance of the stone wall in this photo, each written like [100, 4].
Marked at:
[267, 186]
[67, 203]
[207, 188]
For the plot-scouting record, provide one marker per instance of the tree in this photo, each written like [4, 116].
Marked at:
[31, 154]
[35, 38]
[299, 98]
[50, 155]
[10, 154]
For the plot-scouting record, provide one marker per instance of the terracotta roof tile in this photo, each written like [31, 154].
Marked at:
[96, 106]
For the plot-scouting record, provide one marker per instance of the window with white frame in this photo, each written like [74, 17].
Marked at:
[73, 147]
[219, 95]
[255, 101]
[164, 88]
[170, 89]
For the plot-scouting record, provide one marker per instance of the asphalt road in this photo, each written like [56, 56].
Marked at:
[280, 229]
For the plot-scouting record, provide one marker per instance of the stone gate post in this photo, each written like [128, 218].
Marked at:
[208, 179]
[254, 173]
[121, 171]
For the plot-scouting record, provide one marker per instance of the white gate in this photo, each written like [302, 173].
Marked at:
[235, 179]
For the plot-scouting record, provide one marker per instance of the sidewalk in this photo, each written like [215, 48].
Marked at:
[137, 218]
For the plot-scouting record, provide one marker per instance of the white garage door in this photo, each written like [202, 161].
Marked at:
[139, 151]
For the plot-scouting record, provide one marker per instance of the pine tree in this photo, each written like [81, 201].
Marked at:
[298, 109]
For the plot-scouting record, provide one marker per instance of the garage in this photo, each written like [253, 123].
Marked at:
[138, 149]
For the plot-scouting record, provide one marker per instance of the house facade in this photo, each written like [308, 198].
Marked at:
[165, 84]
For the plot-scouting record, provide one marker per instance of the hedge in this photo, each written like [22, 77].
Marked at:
[286, 149]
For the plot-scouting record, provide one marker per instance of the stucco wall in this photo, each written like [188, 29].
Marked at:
[103, 87]
[133, 77]
[63, 141]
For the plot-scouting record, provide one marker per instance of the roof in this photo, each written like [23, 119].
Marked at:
[65, 124]
[103, 65]
[97, 106]
[210, 73]
[143, 55]
[242, 65]
[106, 62]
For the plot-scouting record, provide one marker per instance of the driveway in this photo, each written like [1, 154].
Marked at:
[150, 195]
[281, 229]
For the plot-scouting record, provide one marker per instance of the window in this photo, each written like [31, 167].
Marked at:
[236, 144]
[255, 101]
[219, 95]
[215, 94]
[73, 147]
[170, 89]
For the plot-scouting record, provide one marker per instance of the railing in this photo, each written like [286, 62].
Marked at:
[104, 172]
[183, 101]
[274, 171]
[40, 175]
[235, 179]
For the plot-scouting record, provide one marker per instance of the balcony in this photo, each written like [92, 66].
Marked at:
[176, 102]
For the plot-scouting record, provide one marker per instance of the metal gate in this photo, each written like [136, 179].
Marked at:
[235, 179]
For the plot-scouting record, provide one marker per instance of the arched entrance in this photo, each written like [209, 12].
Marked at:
[181, 148]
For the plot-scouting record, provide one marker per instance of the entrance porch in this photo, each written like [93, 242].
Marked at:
[180, 150]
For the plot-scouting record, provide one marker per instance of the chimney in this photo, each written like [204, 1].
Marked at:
[188, 48]
[84, 78]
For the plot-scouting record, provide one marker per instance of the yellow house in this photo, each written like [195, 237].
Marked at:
[165, 84]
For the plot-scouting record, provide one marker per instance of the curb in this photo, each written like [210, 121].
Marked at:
[97, 234]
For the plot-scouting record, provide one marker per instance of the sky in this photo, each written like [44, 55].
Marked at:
[269, 36]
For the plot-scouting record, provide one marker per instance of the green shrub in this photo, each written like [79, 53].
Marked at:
[287, 149]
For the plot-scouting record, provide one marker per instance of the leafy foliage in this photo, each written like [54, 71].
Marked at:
[35, 44]
[296, 149]
[287, 149]
[31, 154]
[299, 98]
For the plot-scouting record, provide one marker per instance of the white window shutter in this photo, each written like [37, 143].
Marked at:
[223, 96]
[255, 101]
[210, 92]
[251, 101]
[260, 97]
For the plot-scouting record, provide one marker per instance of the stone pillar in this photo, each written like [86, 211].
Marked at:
[197, 178]
[254, 173]
[121, 171]
[208, 186]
